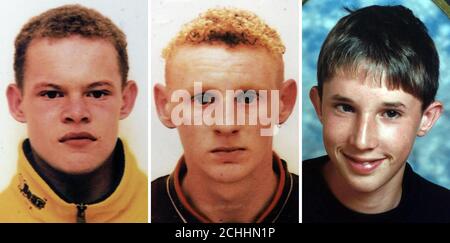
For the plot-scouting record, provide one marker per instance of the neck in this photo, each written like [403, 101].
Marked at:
[240, 201]
[380, 200]
[79, 188]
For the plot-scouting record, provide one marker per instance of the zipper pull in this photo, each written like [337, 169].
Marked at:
[81, 214]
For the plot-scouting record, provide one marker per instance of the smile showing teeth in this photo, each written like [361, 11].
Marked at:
[367, 165]
[363, 166]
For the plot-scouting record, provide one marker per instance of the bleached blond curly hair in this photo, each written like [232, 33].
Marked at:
[230, 26]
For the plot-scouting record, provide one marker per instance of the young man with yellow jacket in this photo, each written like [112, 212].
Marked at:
[71, 90]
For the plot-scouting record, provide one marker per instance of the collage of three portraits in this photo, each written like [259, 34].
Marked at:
[225, 111]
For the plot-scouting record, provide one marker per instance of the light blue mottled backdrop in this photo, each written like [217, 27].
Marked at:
[431, 154]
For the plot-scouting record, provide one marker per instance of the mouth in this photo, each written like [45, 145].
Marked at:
[80, 136]
[227, 149]
[363, 165]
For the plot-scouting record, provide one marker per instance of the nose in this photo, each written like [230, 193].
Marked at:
[365, 135]
[76, 111]
[226, 130]
[230, 125]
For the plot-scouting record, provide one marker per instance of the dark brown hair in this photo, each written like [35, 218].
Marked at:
[66, 21]
[384, 41]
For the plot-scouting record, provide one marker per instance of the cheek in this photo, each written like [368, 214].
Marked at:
[185, 113]
[264, 142]
[112, 103]
[256, 138]
[41, 114]
[105, 118]
[397, 139]
[107, 112]
[336, 130]
[193, 137]
[268, 109]
[196, 142]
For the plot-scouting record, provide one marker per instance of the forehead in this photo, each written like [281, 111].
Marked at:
[71, 59]
[74, 44]
[220, 65]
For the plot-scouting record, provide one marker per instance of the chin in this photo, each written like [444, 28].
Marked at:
[228, 174]
[364, 185]
[78, 167]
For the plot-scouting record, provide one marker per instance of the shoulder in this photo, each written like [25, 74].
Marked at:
[428, 199]
[12, 207]
[159, 184]
[295, 178]
[320, 159]
[293, 201]
[312, 167]
[162, 206]
[425, 187]
[316, 200]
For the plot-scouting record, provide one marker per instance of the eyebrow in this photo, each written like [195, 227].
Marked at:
[57, 87]
[340, 98]
[47, 85]
[100, 83]
[394, 104]
[206, 87]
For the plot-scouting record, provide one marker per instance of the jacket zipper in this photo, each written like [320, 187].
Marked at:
[81, 214]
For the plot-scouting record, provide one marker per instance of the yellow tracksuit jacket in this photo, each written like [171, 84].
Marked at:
[28, 198]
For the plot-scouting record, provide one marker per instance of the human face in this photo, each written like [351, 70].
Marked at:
[368, 130]
[71, 101]
[224, 153]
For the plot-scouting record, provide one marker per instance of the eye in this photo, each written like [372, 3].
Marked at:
[97, 94]
[51, 94]
[247, 97]
[391, 114]
[345, 108]
[204, 98]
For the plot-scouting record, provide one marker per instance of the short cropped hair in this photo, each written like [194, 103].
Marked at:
[66, 21]
[385, 41]
[229, 26]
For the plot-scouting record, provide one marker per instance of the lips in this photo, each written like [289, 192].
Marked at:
[362, 165]
[227, 149]
[75, 136]
[229, 154]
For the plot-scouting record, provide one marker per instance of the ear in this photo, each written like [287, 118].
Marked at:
[288, 93]
[314, 96]
[14, 96]
[429, 118]
[162, 105]
[129, 94]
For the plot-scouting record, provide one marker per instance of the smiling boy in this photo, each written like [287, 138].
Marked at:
[378, 74]
[71, 90]
[228, 172]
